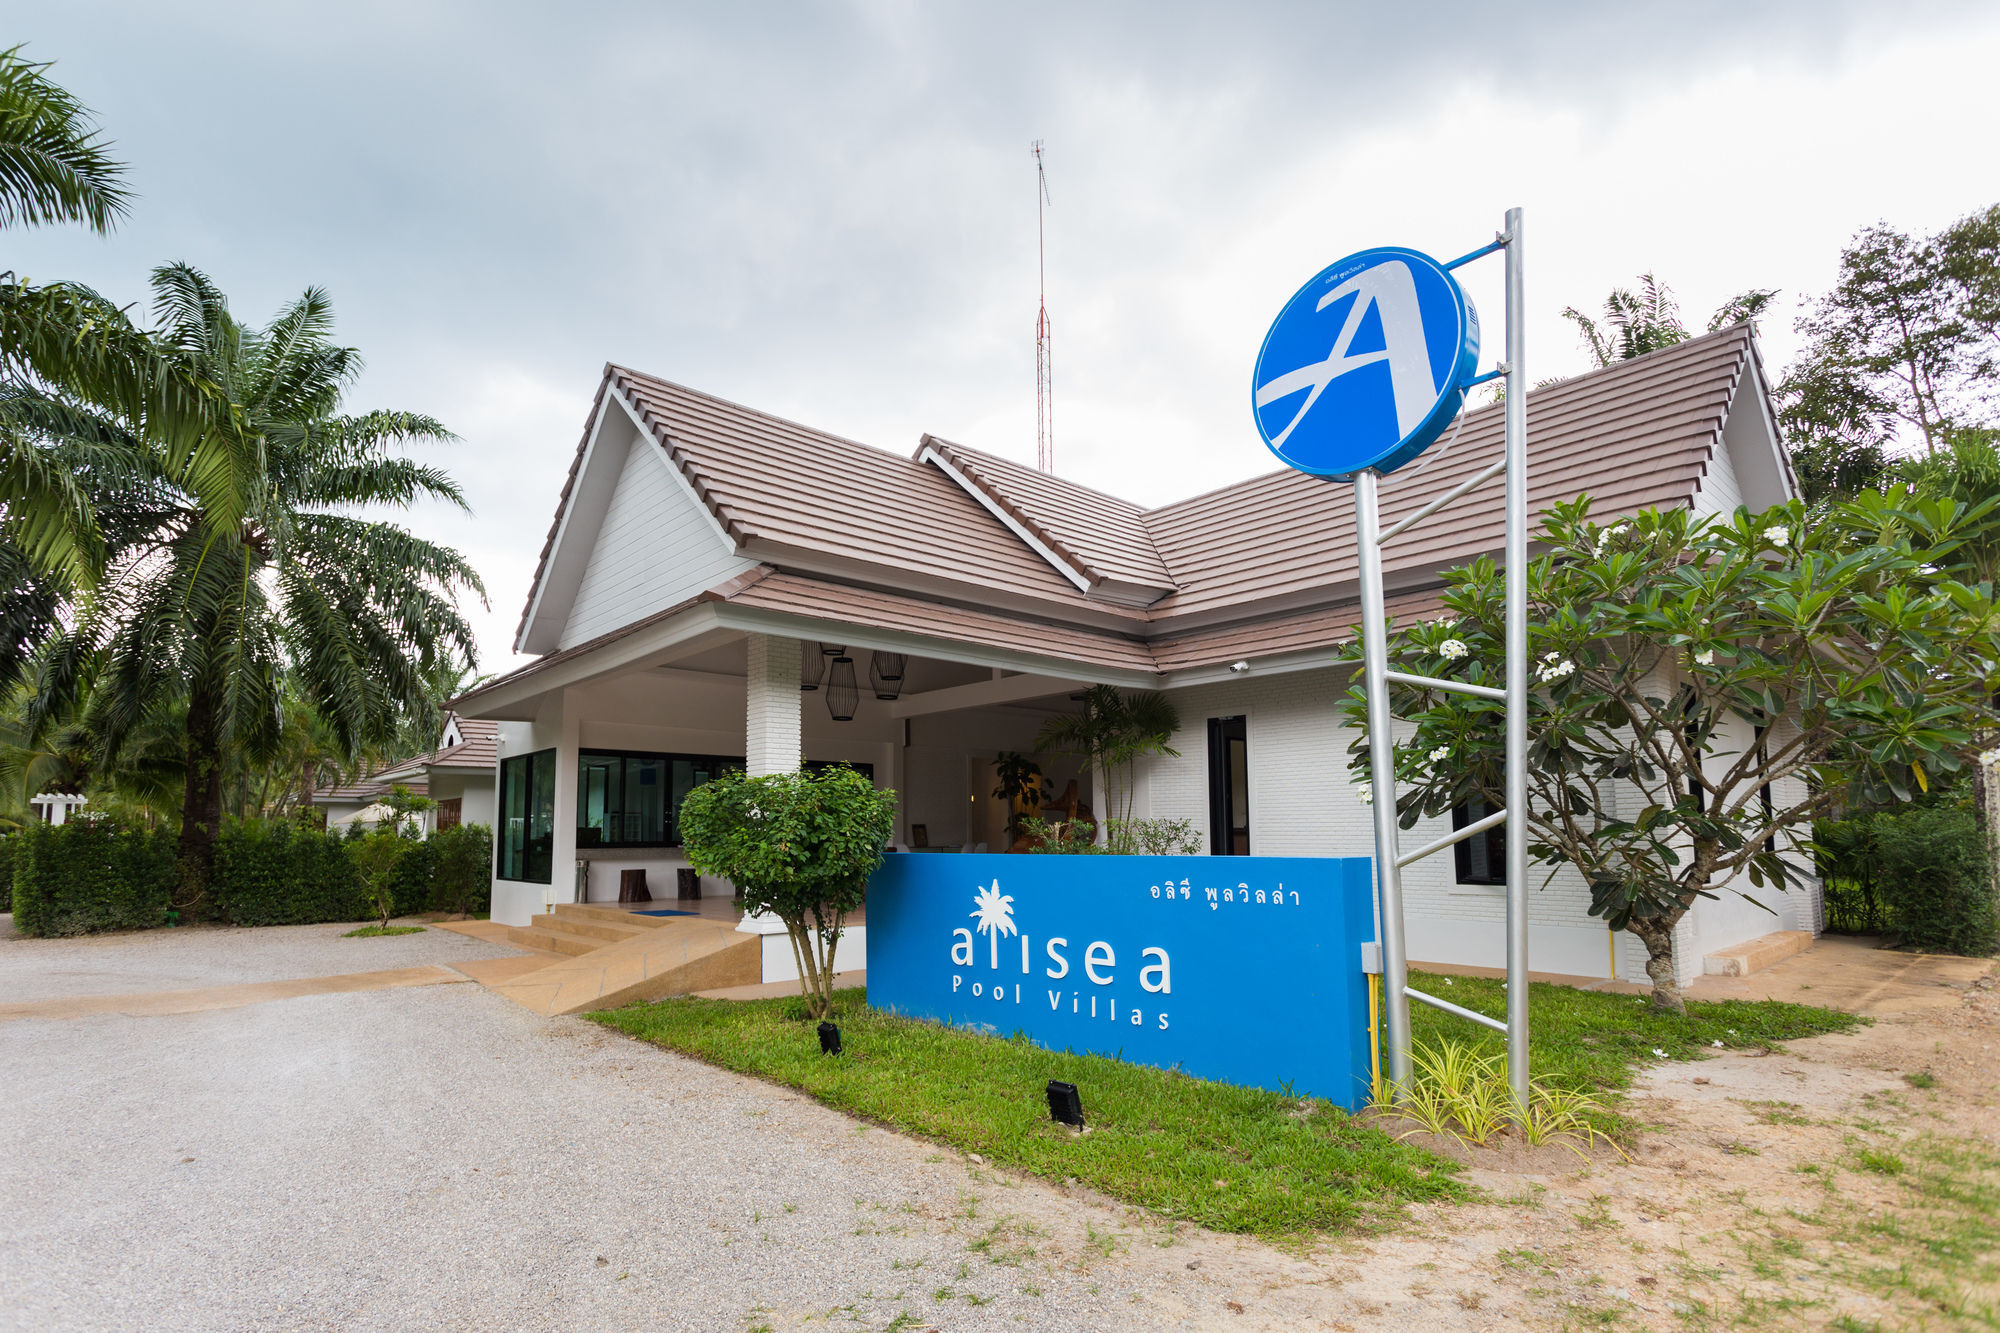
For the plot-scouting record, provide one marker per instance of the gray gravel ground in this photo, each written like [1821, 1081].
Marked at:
[439, 1158]
[154, 960]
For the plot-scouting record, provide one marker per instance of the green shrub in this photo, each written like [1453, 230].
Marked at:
[411, 881]
[1934, 874]
[8, 843]
[89, 876]
[283, 874]
[462, 869]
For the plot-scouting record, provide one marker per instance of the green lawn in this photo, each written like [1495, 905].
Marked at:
[1594, 1042]
[1228, 1158]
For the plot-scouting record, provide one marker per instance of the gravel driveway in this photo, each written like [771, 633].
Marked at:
[440, 1158]
[156, 960]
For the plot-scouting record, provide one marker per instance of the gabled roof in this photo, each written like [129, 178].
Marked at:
[966, 546]
[1101, 537]
[777, 486]
[477, 748]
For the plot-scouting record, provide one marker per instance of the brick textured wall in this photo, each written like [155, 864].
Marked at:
[772, 708]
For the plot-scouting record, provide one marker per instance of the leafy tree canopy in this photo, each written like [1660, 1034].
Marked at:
[1704, 688]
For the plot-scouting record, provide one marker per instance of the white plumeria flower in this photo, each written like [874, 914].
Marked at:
[1717, 1044]
[1706, 657]
[1657, 1051]
[1452, 649]
[1554, 671]
[1447, 981]
[1442, 753]
[1778, 536]
[1365, 795]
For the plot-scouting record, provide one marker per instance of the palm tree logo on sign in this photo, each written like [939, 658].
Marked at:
[994, 916]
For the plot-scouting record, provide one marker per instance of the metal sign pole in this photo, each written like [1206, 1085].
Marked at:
[1517, 669]
[1382, 776]
[1421, 310]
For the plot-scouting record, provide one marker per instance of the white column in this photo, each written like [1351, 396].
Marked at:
[772, 709]
[568, 753]
[773, 718]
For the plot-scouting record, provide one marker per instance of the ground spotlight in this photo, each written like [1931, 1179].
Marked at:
[1065, 1106]
[829, 1039]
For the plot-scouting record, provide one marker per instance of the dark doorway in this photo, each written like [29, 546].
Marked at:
[1228, 786]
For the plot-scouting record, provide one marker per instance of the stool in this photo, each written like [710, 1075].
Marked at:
[632, 886]
[688, 883]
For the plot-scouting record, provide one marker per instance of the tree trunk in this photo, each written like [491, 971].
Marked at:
[1658, 935]
[201, 803]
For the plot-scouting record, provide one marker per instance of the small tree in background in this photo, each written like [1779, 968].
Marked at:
[1849, 648]
[377, 855]
[800, 846]
[404, 806]
[1114, 730]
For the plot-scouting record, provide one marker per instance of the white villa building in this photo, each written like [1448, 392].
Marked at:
[715, 578]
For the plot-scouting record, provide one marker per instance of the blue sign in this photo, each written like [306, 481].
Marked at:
[1242, 969]
[1366, 365]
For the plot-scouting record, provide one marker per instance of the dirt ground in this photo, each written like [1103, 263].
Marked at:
[1849, 1181]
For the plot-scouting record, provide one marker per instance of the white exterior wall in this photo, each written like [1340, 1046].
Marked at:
[1303, 803]
[657, 545]
[694, 712]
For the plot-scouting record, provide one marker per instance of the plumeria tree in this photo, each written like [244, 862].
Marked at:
[1702, 689]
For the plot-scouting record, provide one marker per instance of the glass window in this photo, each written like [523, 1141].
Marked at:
[528, 817]
[621, 800]
[1229, 786]
[1482, 858]
[633, 798]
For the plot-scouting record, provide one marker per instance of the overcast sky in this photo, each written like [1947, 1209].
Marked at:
[828, 211]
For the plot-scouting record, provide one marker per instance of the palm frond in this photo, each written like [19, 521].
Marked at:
[54, 163]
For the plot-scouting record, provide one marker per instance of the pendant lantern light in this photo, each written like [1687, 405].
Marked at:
[842, 694]
[812, 670]
[885, 673]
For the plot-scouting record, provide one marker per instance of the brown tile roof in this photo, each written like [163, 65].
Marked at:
[478, 748]
[1259, 568]
[773, 481]
[916, 615]
[1639, 434]
[366, 791]
[1102, 535]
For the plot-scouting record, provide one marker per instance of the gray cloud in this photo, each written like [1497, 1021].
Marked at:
[828, 211]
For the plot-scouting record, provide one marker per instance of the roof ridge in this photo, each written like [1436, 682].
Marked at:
[993, 492]
[1132, 505]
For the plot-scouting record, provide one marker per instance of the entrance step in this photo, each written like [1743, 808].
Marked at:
[678, 957]
[610, 915]
[555, 939]
[1754, 955]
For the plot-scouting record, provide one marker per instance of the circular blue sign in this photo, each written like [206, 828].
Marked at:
[1365, 366]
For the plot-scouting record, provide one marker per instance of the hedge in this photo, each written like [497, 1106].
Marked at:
[282, 874]
[87, 876]
[95, 876]
[1933, 872]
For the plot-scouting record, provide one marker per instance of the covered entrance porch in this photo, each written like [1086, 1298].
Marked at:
[599, 745]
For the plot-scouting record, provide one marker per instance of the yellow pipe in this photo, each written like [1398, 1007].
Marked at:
[1375, 1030]
[1612, 937]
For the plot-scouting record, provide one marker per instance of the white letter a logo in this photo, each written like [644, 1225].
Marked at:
[1392, 291]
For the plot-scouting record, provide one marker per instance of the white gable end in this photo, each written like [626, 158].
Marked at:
[656, 546]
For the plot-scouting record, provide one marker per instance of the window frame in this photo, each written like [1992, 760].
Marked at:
[670, 816]
[1222, 824]
[1493, 844]
[512, 858]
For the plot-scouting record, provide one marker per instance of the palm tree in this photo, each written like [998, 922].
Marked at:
[1636, 323]
[242, 565]
[54, 168]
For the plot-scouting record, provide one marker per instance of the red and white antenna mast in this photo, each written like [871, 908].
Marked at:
[1045, 388]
